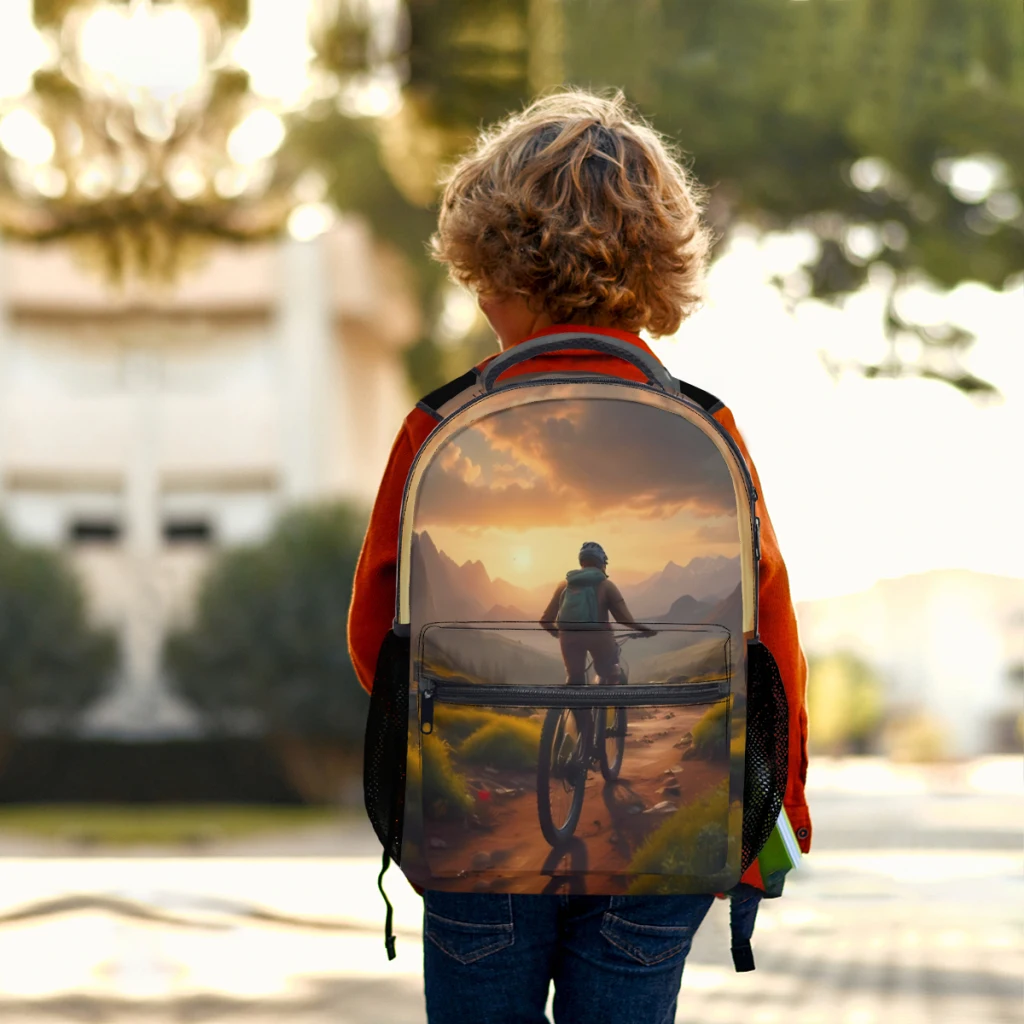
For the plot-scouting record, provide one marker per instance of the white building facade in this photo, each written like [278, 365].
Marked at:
[142, 432]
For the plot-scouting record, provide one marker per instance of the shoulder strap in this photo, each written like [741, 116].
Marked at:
[704, 399]
[432, 404]
[649, 365]
[469, 383]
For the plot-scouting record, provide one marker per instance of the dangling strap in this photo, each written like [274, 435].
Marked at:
[389, 935]
[742, 913]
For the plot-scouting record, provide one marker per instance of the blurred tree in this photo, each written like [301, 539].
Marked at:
[890, 129]
[267, 646]
[465, 63]
[53, 664]
[844, 704]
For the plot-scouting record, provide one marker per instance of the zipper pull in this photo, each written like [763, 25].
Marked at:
[757, 538]
[427, 706]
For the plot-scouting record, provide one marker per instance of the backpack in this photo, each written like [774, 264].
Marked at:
[483, 771]
[579, 599]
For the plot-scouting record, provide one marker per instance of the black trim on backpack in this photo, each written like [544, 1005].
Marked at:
[386, 746]
[704, 399]
[445, 393]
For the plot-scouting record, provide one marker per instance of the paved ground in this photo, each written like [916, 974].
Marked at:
[908, 912]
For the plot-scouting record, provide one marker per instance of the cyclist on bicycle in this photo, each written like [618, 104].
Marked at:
[579, 614]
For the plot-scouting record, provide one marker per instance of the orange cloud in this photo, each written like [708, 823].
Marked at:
[575, 462]
[454, 463]
[718, 533]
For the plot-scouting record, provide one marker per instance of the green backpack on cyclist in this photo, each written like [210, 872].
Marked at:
[484, 771]
[579, 600]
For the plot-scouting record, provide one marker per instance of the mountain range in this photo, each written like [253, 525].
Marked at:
[706, 580]
[695, 592]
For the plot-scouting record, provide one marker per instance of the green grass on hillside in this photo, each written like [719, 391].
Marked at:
[504, 743]
[454, 724]
[445, 793]
[709, 740]
[694, 841]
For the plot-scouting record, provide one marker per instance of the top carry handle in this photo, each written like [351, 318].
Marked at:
[653, 370]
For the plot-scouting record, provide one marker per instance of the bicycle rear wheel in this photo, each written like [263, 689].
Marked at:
[562, 773]
[611, 740]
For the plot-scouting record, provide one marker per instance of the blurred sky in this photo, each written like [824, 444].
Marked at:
[864, 479]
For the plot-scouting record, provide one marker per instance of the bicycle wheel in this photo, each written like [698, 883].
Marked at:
[611, 740]
[561, 773]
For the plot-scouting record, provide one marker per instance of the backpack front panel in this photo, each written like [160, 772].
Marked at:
[583, 759]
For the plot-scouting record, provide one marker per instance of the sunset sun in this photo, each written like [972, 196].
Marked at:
[522, 559]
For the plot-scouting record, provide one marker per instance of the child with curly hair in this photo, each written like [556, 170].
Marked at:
[571, 214]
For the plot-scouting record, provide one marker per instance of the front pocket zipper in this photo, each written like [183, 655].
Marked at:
[474, 694]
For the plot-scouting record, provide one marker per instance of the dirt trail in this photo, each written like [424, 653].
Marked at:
[616, 818]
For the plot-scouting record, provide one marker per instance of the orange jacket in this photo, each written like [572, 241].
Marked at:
[373, 595]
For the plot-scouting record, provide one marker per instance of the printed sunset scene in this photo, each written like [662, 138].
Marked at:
[508, 501]
[531, 795]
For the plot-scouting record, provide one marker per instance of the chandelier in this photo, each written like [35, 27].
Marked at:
[142, 131]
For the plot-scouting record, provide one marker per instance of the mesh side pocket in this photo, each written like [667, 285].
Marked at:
[767, 758]
[385, 749]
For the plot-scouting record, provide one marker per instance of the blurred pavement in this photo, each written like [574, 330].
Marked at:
[907, 912]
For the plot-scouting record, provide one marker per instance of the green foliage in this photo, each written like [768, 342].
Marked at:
[444, 789]
[269, 638]
[53, 664]
[510, 743]
[694, 841]
[844, 704]
[456, 723]
[777, 100]
[709, 739]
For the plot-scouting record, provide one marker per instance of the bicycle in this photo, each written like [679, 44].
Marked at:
[572, 742]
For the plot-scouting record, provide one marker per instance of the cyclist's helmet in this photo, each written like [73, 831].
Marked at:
[593, 552]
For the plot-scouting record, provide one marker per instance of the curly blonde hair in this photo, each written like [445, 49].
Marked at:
[579, 206]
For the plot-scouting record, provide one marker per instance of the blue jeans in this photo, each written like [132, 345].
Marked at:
[488, 959]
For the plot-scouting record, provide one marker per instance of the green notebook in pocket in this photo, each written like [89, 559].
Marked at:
[781, 852]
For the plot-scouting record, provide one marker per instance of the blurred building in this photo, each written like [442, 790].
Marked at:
[141, 432]
[948, 643]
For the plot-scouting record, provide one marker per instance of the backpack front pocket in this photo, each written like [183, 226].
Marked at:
[602, 787]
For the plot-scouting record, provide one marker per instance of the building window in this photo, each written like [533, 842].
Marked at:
[188, 531]
[94, 530]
